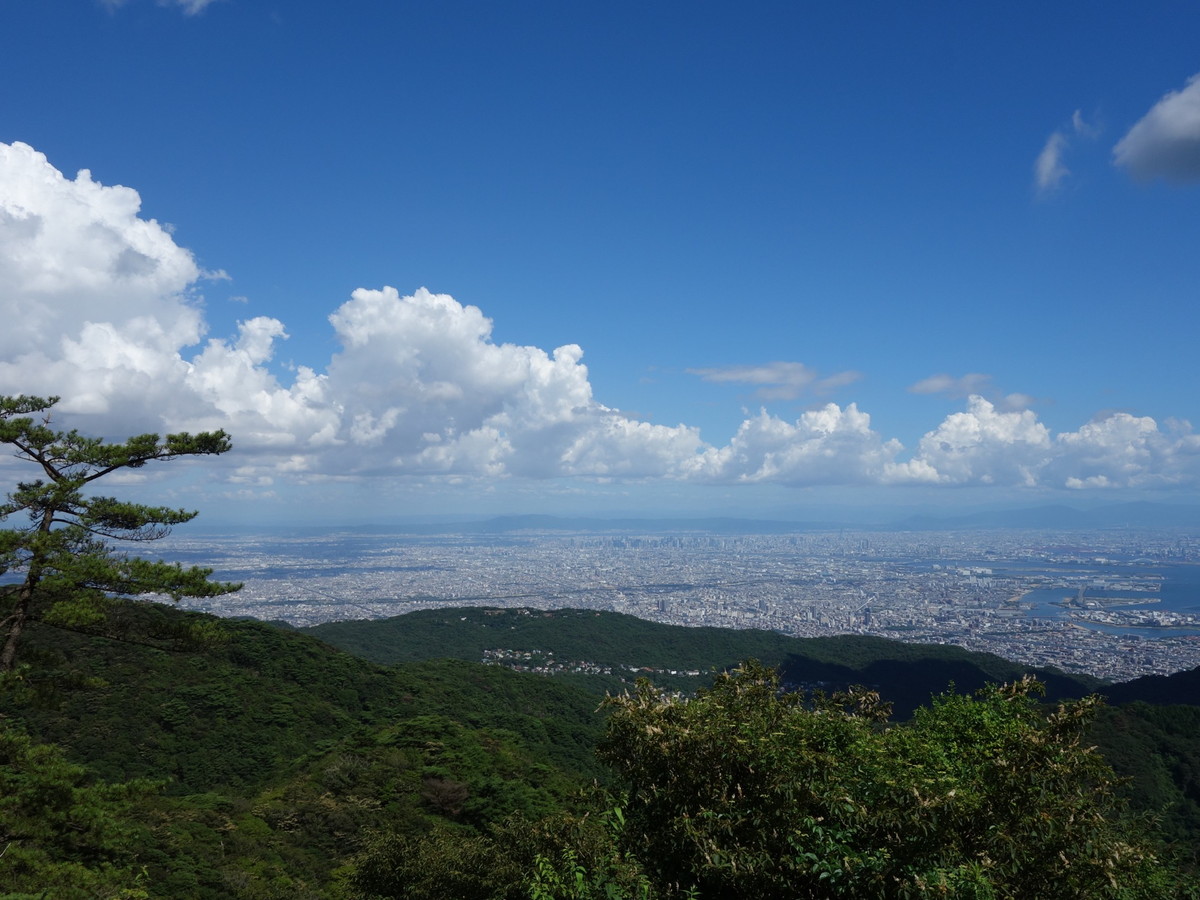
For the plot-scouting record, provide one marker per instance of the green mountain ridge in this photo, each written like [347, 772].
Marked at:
[906, 674]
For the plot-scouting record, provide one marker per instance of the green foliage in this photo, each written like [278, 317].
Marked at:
[747, 791]
[602, 872]
[559, 857]
[68, 568]
[445, 863]
[62, 835]
[568, 879]
[281, 754]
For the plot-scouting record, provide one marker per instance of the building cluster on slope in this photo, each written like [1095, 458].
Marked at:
[1082, 602]
[544, 662]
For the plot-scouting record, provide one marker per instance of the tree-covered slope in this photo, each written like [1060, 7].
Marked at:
[283, 759]
[906, 674]
[277, 754]
[1153, 748]
[1181, 687]
[217, 702]
[1157, 749]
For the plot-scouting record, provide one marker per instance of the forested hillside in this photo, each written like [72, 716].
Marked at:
[907, 674]
[1156, 750]
[273, 754]
[169, 754]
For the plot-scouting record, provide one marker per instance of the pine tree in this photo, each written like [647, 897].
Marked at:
[68, 567]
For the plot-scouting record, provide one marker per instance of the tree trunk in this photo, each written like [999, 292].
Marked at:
[16, 623]
[16, 619]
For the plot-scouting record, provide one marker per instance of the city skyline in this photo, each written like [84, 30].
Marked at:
[609, 260]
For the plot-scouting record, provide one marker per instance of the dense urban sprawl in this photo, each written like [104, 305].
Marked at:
[1082, 602]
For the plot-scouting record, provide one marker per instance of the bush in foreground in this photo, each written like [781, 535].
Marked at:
[747, 791]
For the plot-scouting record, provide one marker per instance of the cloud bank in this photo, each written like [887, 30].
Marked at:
[973, 383]
[778, 380]
[102, 307]
[1165, 143]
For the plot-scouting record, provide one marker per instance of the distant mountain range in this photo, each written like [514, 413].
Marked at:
[1136, 515]
[1118, 515]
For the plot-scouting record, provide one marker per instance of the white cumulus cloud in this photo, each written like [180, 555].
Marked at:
[984, 445]
[76, 238]
[830, 445]
[987, 445]
[1124, 451]
[423, 388]
[100, 306]
[1165, 143]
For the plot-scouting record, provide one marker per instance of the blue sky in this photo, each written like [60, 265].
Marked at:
[798, 257]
